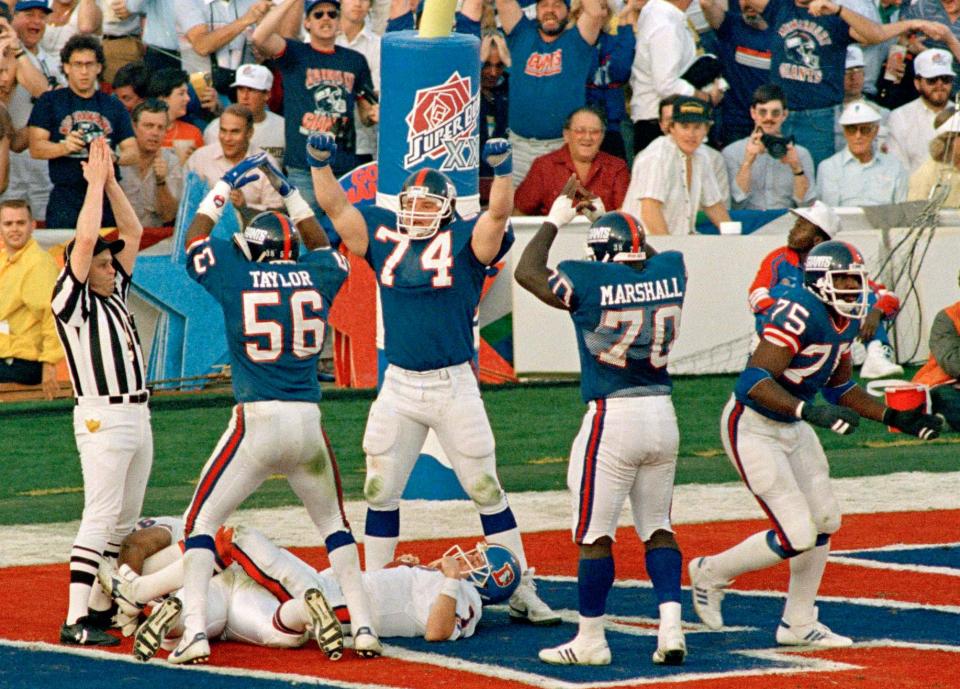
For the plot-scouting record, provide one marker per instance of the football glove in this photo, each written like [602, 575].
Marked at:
[245, 171]
[321, 147]
[276, 177]
[915, 422]
[498, 154]
[842, 420]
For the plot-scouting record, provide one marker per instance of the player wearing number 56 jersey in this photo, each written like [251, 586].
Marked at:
[275, 303]
[804, 349]
[625, 305]
[430, 264]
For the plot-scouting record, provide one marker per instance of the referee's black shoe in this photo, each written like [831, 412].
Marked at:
[82, 633]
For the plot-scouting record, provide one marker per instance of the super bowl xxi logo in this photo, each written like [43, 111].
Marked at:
[443, 124]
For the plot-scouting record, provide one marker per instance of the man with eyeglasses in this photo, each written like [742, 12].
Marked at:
[761, 178]
[325, 86]
[859, 175]
[605, 176]
[65, 121]
[911, 125]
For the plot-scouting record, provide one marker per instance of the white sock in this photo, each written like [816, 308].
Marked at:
[591, 628]
[346, 566]
[378, 551]
[806, 572]
[79, 598]
[511, 539]
[670, 614]
[197, 570]
[167, 580]
[746, 556]
[293, 614]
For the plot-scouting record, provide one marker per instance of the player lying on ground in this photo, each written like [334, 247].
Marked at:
[267, 596]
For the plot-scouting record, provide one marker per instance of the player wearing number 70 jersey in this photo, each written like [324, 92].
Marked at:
[275, 304]
[625, 304]
[430, 265]
[804, 349]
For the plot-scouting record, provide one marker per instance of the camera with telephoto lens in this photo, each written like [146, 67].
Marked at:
[776, 145]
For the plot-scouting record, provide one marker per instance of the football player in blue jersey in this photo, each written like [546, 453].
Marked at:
[766, 431]
[430, 264]
[275, 303]
[625, 303]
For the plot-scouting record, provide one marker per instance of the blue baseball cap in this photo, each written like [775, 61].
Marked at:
[310, 4]
[24, 5]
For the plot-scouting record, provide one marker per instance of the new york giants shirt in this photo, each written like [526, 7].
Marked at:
[275, 316]
[429, 290]
[801, 322]
[626, 322]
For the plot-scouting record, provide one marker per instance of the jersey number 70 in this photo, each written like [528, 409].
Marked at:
[666, 323]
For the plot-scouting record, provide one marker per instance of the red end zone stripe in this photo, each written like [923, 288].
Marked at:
[590, 471]
[209, 480]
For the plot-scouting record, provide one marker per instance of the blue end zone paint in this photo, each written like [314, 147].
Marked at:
[936, 556]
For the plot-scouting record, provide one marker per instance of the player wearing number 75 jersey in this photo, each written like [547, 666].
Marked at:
[275, 304]
[430, 265]
[625, 304]
[804, 349]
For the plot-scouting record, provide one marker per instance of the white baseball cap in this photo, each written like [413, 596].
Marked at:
[854, 57]
[859, 112]
[254, 76]
[821, 215]
[933, 62]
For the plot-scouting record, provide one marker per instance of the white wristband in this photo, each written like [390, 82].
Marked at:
[450, 588]
[297, 207]
[213, 203]
[798, 412]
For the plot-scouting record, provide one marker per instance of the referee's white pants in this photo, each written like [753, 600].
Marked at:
[626, 448]
[784, 466]
[409, 404]
[266, 438]
[115, 442]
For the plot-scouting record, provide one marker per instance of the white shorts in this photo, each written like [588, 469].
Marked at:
[626, 447]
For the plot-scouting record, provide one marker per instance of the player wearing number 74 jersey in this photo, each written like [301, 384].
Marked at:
[430, 264]
[275, 304]
[625, 305]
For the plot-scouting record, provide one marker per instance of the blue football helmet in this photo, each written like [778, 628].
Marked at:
[419, 186]
[269, 236]
[492, 569]
[824, 263]
[617, 237]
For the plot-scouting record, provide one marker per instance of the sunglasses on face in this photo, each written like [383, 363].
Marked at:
[320, 14]
[863, 129]
[943, 79]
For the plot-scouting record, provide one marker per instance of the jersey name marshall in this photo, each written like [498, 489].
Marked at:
[544, 64]
[269, 279]
[652, 290]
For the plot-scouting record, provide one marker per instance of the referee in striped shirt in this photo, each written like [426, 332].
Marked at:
[111, 419]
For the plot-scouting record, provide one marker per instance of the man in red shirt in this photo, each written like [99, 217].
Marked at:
[602, 174]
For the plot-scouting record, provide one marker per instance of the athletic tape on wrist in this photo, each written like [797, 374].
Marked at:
[450, 587]
[297, 208]
[213, 203]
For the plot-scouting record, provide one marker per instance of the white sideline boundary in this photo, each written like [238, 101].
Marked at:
[544, 511]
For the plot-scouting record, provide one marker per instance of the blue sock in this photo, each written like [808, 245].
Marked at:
[594, 581]
[498, 523]
[663, 568]
[382, 523]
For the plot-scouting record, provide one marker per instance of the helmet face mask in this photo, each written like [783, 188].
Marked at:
[492, 569]
[269, 236]
[616, 237]
[427, 202]
[825, 266]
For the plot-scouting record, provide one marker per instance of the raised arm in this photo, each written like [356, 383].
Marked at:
[591, 20]
[96, 170]
[510, 14]
[297, 208]
[129, 228]
[206, 41]
[492, 224]
[532, 272]
[714, 11]
[89, 17]
[211, 208]
[864, 30]
[267, 36]
[347, 220]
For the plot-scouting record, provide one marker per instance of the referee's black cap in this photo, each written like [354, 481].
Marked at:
[115, 247]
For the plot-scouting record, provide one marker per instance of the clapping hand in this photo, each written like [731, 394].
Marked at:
[98, 167]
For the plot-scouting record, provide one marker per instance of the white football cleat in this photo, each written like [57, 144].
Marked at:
[578, 652]
[707, 595]
[367, 644]
[324, 624]
[152, 632]
[118, 588]
[814, 634]
[193, 649]
[879, 362]
[526, 605]
[671, 645]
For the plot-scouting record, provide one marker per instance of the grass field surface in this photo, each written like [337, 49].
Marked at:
[40, 479]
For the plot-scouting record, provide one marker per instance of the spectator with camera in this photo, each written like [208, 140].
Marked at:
[766, 169]
[860, 175]
[911, 125]
[672, 178]
[155, 182]
[66, 120]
